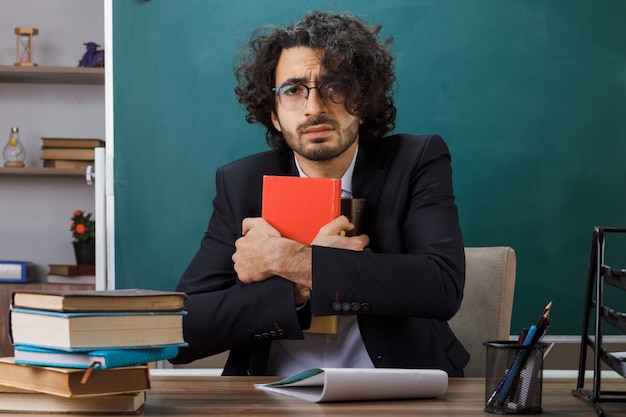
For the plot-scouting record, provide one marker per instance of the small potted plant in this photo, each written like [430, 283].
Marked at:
[84, 238]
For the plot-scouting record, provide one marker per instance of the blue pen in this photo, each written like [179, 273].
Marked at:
[512, 374]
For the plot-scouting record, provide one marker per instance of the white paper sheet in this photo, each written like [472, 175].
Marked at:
[358, 384]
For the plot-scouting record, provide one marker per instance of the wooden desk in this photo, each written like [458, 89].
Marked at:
[236, 396]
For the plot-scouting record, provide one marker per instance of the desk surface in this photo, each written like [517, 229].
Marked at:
[236, 396]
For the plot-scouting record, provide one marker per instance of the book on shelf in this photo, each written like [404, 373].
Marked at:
[98, 359]
[298, 207]
[71, 279]
[73, 382]
[26, 401]
[81, 154]
[95, 330]
[352, 384]
[14, 271]
[99, 300]
[71, 270]
[71, 143]
[67, 164]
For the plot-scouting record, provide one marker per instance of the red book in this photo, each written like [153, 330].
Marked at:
[298, 207]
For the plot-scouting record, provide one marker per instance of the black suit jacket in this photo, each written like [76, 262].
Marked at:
[410, 283]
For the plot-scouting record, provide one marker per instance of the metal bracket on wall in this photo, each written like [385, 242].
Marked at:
[90, 174]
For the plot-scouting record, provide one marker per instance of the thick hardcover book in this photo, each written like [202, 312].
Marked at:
[354, 210]
[59, 269]
[298, 207]
[71, 279]
[351, 384]
[24, 401]
[14, 271]
[99, 300]
[98, 359]
[67, 164]
[71, 143]
[80, 154]
[89, 331]
[68, 382]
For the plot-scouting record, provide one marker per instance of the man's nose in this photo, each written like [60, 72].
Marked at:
[314, 103]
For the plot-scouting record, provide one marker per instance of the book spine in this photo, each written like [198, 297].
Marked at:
[336, 207]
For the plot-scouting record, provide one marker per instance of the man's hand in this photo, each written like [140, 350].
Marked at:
[256, 250]
[331, 236]
[302, 293]
[261, 252]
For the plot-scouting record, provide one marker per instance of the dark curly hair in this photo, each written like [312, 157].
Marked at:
[352, 54]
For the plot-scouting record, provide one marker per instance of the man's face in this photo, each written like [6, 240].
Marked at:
[321, 130]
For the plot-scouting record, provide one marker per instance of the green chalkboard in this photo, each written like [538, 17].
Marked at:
[530, 96]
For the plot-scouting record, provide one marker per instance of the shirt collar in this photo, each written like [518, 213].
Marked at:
[346, 179]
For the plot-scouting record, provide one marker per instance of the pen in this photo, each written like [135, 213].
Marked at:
[514, 371]
[527, 337]
[522, 336]
[521, 340]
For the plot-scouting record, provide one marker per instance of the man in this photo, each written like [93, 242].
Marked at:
[323, 88]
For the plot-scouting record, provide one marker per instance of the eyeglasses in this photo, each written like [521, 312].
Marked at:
[293, 96]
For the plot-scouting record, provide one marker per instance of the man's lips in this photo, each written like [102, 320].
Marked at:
[317, 130]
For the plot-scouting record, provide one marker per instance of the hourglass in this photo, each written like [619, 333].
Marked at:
[24, 46]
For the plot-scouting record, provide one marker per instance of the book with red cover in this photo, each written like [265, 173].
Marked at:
[298, 207]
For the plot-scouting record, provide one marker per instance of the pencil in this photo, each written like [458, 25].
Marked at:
[543, 323]
[545, 314]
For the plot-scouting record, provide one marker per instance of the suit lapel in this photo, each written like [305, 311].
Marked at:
[287, 164]
[367, 182]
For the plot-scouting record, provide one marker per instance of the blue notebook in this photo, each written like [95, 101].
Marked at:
[14, 271]
[100, 359]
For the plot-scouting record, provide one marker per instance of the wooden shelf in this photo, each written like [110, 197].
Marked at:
[42, 172]
[52, 75]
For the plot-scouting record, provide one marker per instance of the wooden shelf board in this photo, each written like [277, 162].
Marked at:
[41, 172]
[52, 75]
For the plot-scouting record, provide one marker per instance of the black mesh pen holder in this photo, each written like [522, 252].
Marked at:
[513, 377]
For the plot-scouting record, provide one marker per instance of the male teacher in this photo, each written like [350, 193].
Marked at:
[323, 89]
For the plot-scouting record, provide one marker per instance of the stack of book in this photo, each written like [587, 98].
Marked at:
[68, 152]
[80, 346]
[26, 401]
[71, 274]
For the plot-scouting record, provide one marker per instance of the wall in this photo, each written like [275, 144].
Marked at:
[530, 96]
[35, 212]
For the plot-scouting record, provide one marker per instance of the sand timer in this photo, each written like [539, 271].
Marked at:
[24, 46]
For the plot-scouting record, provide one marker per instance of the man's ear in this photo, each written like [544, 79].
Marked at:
[275, 122]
